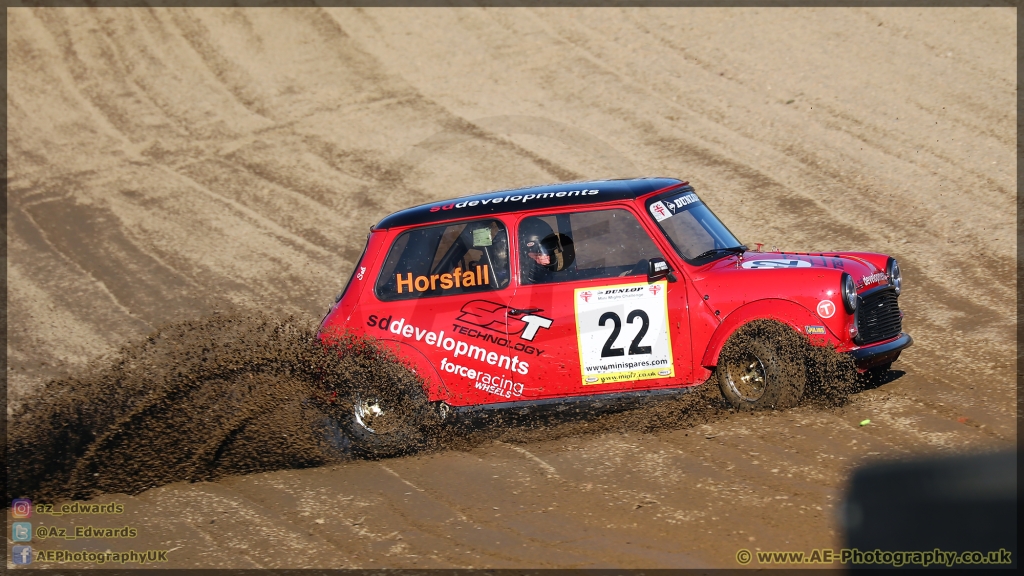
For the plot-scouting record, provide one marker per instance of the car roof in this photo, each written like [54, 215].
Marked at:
[531, 198]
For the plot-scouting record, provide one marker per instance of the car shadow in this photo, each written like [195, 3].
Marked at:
[872, 380]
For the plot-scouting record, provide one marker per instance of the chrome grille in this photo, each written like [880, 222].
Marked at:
[878, 316]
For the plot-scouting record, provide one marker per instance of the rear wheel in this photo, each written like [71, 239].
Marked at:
[763, 366]
[387, 421]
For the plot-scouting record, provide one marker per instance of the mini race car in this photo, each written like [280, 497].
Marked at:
[589, 292]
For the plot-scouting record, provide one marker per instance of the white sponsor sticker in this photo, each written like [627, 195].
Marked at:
[878, 277]
[826, 309]
[761, 264]
[660, 211]
[685, 200]
[623, 333]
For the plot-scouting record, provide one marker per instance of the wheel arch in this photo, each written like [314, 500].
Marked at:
[418, 362]
[785, 311]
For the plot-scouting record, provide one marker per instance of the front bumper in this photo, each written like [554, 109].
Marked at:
[883, 353]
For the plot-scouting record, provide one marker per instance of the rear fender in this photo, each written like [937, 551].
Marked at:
[416, 361]
[346, 301]
[793, 315]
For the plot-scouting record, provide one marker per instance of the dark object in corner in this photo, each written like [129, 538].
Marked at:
[959, 503]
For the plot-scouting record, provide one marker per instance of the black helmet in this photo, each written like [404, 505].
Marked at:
[536, 237]
[537, 240]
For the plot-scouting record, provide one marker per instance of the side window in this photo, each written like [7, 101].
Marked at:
[583, 245]
[445, 260]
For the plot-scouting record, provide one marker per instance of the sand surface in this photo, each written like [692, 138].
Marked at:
[164, 164]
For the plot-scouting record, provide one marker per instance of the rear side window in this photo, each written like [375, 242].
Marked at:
[444, 260]
[583, 246]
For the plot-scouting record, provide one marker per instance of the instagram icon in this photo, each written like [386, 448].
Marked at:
[21, 508]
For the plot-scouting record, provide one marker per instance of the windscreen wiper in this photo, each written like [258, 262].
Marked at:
[734, 250]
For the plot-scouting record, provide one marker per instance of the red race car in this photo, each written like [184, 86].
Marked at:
[590, 292]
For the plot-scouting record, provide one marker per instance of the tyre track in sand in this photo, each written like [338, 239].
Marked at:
[164, 163]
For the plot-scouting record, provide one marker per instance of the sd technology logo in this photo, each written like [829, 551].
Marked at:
[501, 319]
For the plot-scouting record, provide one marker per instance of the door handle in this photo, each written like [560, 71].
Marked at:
[518, 311]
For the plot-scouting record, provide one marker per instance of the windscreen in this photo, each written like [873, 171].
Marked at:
[691, 227]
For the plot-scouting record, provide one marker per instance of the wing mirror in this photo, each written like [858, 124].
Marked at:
[657, 269]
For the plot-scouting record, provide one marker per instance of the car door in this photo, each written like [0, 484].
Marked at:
[433, 279]
[592, 321]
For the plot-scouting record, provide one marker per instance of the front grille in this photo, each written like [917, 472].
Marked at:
[878, 316]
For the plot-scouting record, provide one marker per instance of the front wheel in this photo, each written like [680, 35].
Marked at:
[763, 366]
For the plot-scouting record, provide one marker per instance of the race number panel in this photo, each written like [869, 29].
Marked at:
[623, 333]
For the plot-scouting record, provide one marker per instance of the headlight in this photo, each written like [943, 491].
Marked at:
[849, 293]
[892, 270]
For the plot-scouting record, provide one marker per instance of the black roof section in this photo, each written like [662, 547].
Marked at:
[534, 197]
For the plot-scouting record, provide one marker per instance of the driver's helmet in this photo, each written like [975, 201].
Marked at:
[537, 246]
[535, 237]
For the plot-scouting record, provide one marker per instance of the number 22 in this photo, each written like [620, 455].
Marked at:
[634, 347]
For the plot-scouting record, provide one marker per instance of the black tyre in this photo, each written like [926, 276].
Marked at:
[387, 421]
[763, 366]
